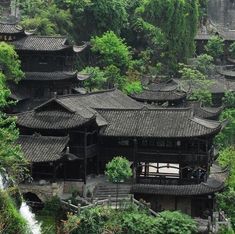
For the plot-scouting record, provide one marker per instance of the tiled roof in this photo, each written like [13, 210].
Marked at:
[41, 43]
[17, 93]
[47, 76]
[162, 123]
[150, 95]
[82, 105]
[228, 71]
[37, 148]
[161, 91]
[6, 28]
[215, 183]
[52, 115]
[104, 99]
[204, 112]
[86, 103]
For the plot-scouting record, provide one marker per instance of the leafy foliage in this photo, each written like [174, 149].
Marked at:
[130, 220]
[227, 136]
[204, 64]
[232, 50]
[178, 21]
[46, 17]
[11, 157]
[215, 47]
[10, 63]
[197, 84]
[227, 158]
[11, 221]
[112, 50]
[176, 222]
[118, 169]
[52, 207]
[226, 202]
[229, 99]
[97, 81]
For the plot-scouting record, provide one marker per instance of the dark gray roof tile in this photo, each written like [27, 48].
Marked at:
[162, 123]
[52, 115]
[41, 43]
[6, 28]
[37, 148]
[215, 183]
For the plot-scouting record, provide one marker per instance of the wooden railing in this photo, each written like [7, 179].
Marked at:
[67, 205]
[166, 180]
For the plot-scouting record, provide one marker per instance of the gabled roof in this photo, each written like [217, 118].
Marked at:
[83, 107]
[159, 123]
[103, 99]
[52, 115]
[215, 183]
[37, 148]
[41, 43]
[7, 28]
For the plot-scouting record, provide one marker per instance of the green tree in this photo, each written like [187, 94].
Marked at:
[11, 157]
[118, 170]
[178, 21]
[227, 158]
[227, 136]
[10, 63]
[95, 17]
[196, 83]
[215, 47]
[226, 202]
[229, 99]
[204, 64]
[46, 17]
[176, 222]
[232, 50]
[97, 81]
[112, 50]
[11, 221]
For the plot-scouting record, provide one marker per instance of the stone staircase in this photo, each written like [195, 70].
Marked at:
[106, 189]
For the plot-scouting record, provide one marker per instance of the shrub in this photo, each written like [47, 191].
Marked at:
[215, 47]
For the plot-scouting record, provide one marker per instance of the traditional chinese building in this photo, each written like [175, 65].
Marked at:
[48, 63]
[170, 149]
[166, 93]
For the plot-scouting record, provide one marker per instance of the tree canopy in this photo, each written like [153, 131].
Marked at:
[11, 158]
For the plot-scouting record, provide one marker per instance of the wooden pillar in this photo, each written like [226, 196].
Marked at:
[134, 158]
[85, 155]
[98, 157]
[54, 171]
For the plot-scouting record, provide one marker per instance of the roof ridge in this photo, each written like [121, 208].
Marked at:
[38, 135]
[146, 108]
[55, 36]
[87, 94]
[54, 100]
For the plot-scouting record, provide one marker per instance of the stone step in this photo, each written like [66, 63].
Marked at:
[104, 190]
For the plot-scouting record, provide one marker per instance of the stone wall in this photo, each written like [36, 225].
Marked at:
[43, 191]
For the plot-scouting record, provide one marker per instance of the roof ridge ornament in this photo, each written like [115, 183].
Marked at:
[30, 31]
